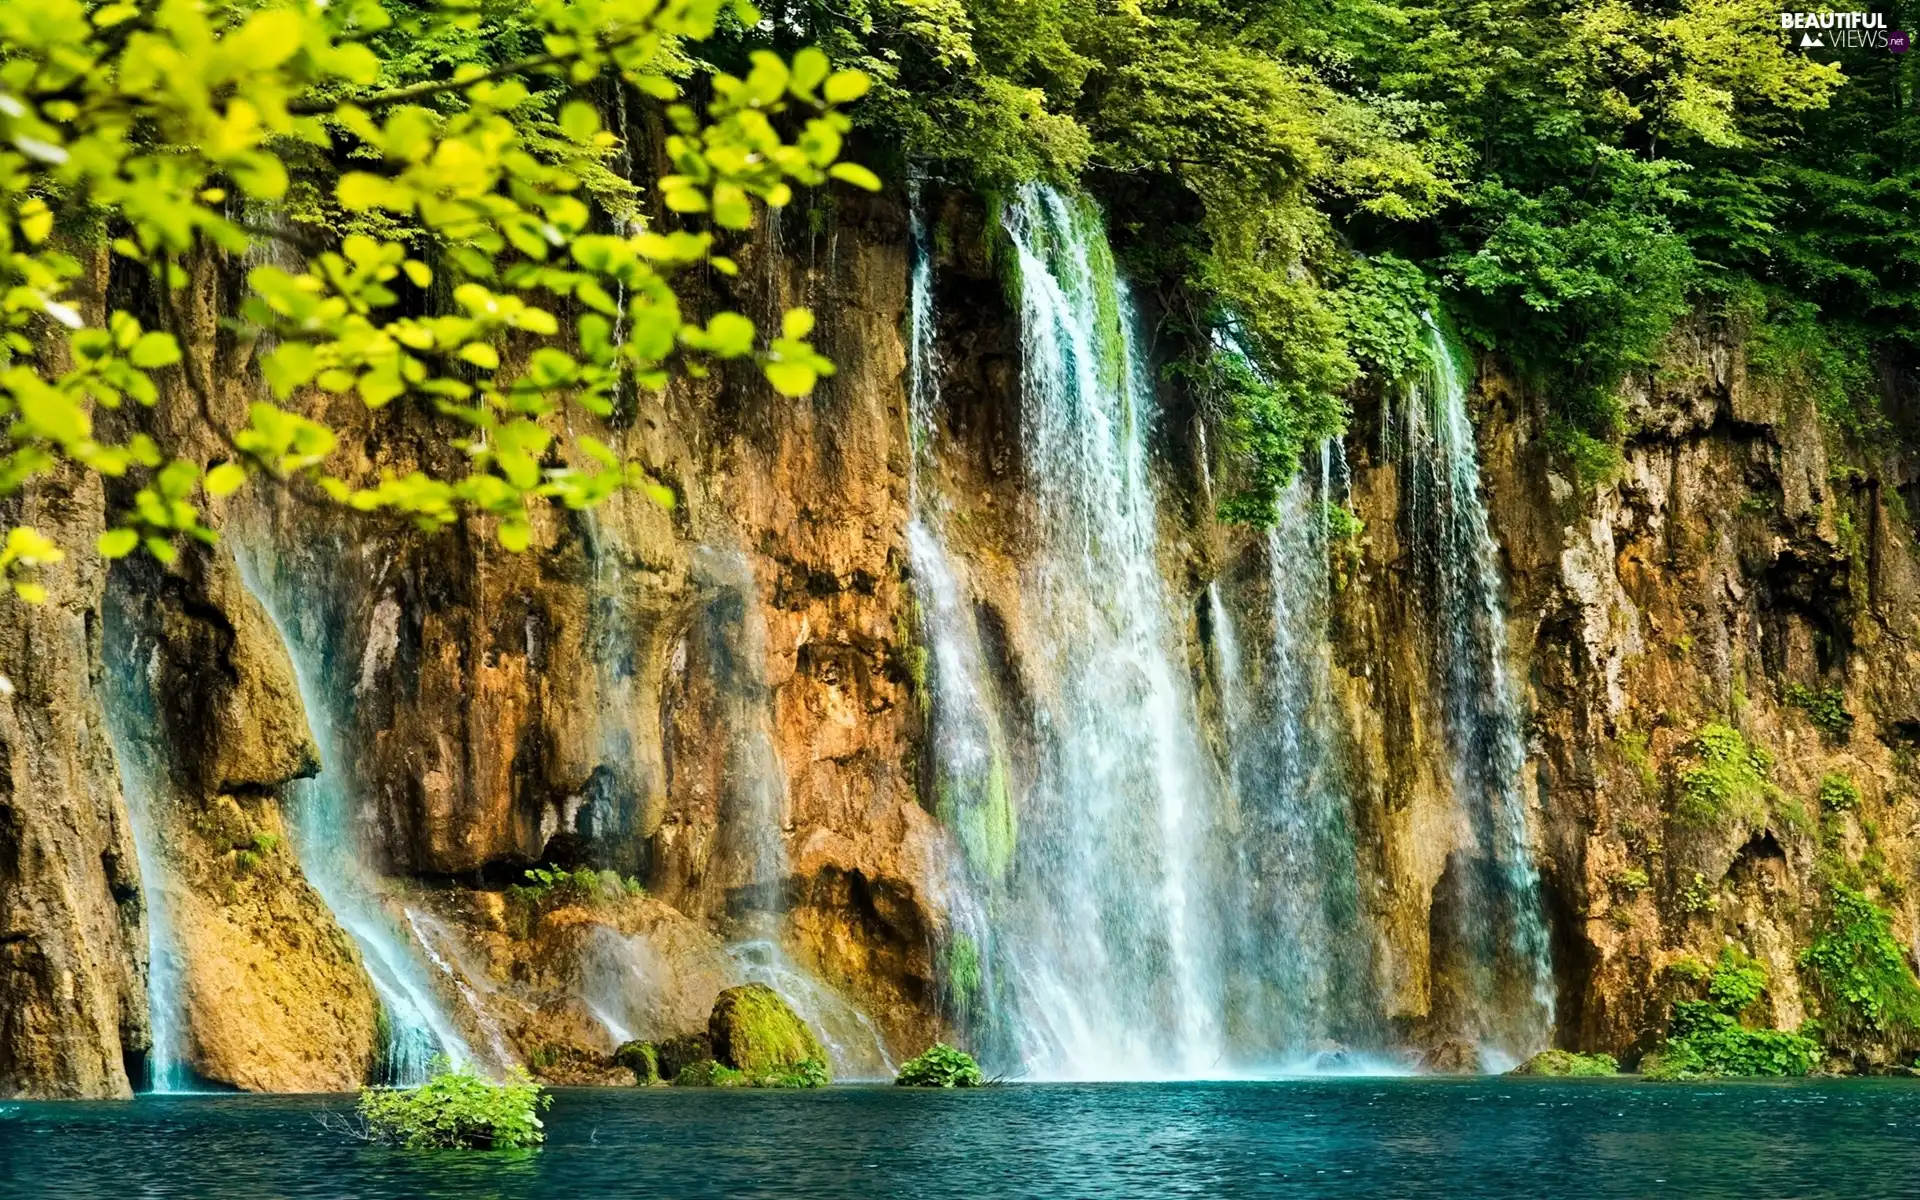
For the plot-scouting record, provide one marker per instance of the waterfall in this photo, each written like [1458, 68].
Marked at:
[1502, 981]
[323, 836]
[1304, 972]
[1118, 959]
[971, 784]
[133, 722]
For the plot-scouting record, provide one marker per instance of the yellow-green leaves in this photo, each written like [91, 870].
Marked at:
[27, 549]
[185, 128]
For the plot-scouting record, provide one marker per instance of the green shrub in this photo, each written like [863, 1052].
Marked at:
[561, 886]
[1569, 1064]
[1860, 971]
[808, 1073]
[941, 1066]
[1708, 1038]
[1699, 896]
[457, 1110]
[1838, 793]
[1826, 708]
[1631, 879]
[1727, 780]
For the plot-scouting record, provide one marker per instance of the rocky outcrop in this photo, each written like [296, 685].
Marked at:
[271, 994]
[73, 950]
[758, 1034]
[1749, 567]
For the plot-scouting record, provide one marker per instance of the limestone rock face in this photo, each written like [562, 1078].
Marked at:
[757, 1033]
[73, 951]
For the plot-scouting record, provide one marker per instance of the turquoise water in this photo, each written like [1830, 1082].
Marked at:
[1346, 1137]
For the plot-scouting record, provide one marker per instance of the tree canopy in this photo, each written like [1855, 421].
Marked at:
[1295, 179]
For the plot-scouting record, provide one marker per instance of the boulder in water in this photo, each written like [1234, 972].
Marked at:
[1455, 1056]
[1567, 1063]
[757, 1033]
[643, 1059]
[676, 1054]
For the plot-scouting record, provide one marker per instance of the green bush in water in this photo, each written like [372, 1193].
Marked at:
[941, 1066]
[708, 1073]
[457, 1110]
[1568, 1063]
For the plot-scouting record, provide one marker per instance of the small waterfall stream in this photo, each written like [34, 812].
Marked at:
[322, 821]
[133, 721]
[1502, 980]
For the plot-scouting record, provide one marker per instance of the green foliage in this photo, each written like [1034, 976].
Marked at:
[708, 1073]
[1712, 1038]
[1700, 896]
[457, 1110]
[557, 885]
[940, 1066]
[1838, 793]
[1860, 971]
[1631, 880]
[1825, 707]
[160, 132]
[1726, 779]
[1568, 1064]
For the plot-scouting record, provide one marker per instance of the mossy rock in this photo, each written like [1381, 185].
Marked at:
[757, 1033]
[643, 1059]
[708, 1073]
[1568, 1063]
[676, 1054]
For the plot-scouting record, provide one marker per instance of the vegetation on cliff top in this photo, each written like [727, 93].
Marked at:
[1572, 177]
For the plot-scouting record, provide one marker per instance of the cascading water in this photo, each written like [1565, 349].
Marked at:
[971, 785]
[323, 836]
[1302, 971]
[1116, 957]
[133, 721]
[1496, 984]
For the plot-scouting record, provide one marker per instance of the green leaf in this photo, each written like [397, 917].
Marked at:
[579, 121]
[515, 535]
[791, 379]
[153, 350]
[225, 479]
[117, 543]
[844, 87]
[856, 175]
[481, 355]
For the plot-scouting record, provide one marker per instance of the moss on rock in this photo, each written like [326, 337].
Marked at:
[1568, 1063]
[757, 1033]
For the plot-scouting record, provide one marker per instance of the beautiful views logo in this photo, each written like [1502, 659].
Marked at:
[1844, 31]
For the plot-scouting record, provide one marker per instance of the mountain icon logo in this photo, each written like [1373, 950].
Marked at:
[1808, 40]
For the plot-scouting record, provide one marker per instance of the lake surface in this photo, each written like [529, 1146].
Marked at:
[1338, 1137]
